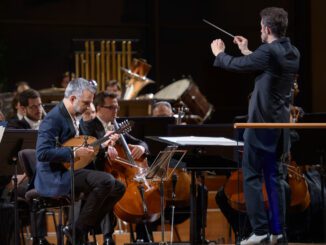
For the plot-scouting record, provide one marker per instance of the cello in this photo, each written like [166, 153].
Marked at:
[300, 197]
[141, 200]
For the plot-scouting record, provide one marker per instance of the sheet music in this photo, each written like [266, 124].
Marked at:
[2, 130]
[200, 140]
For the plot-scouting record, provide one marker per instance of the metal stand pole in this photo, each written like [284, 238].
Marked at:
[14, 178]
[162, 212]
[174, 183]
[72, 196]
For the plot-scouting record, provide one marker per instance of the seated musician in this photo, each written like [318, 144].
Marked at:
[100, 189]
[162, 109]
[89, 114]
[107, 106]
[30, 101]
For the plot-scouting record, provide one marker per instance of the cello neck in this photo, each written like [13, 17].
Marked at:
[124, 144]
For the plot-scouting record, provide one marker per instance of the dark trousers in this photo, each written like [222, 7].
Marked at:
[259, 165]
[102, 191]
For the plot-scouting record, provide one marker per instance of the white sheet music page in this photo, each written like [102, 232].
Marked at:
[200, 140]
[2, 130]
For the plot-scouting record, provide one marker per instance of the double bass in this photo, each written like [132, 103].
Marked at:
[300, 197]
[141, 201]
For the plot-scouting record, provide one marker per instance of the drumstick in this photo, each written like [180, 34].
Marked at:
[218, 28]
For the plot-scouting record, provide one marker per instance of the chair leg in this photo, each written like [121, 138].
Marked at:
[59, 232]
[33, 217]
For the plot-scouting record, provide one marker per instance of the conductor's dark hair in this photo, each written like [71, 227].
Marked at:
[276, 19]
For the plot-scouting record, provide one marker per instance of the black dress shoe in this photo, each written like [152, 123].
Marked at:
[108, 241]
[79, 237]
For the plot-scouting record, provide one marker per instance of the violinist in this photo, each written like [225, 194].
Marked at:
[107, 107]
[277, 61]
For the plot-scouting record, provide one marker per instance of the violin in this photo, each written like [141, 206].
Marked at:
[141, 201]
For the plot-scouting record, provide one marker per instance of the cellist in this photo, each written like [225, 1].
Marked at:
[107, 107]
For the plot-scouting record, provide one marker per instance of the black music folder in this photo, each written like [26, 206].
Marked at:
[12, 142]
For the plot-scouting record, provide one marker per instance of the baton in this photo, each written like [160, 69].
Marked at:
[218, 28]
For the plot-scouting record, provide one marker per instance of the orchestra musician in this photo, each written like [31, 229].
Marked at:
[162, 109]
[101, 190]
[277, 60]
[107, 107]
[30, 101]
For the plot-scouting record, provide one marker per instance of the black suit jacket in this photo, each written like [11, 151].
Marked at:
[95, 128]
[18, 124]
[52, 179]
[277, 64]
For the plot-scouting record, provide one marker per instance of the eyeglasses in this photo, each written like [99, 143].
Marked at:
[34, 107]
[111, 107]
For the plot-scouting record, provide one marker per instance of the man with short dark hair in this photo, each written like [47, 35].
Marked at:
[277, 62]
[107, 107]
[30, 101]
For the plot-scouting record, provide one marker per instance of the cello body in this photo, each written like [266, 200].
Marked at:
[300, 197]
[141, 201]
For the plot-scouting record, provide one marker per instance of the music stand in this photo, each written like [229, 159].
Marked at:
[12, 142]
[222, 146]
[158, 171]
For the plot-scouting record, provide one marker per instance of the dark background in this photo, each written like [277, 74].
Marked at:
[36, 42]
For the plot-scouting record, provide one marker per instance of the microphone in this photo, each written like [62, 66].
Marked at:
[174, 183]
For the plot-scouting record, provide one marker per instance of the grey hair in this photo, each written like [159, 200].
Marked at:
[162, 103]
[78, 85]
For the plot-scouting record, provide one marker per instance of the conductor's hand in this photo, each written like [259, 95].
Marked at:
[136, 151]
[217, 46]
[84, 151]
[242, 44]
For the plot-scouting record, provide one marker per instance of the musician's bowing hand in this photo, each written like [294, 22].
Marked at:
[112, 153]
[84, 151]
[217, 46]
[242, 44]
[136, 151]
